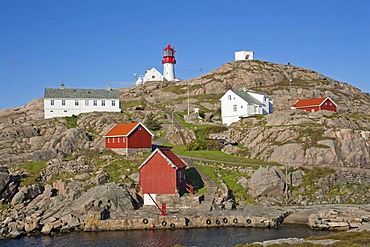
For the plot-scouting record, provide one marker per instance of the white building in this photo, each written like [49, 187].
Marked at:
[153, 75]
[65, 102]
[244, 55]
[239, 104]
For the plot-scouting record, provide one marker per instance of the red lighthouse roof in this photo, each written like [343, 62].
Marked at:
[169, 55]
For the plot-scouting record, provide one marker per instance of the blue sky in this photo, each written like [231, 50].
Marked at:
[88, 43]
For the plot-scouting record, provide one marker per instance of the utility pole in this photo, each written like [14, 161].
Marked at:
[286, 184]
[290, 77]
[188, 99]
[201, 71]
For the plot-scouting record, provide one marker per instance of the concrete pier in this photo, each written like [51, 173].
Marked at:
[181, 220]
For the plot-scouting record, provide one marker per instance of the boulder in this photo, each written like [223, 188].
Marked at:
[267, 181]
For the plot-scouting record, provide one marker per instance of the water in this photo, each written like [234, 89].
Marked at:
[227, 236]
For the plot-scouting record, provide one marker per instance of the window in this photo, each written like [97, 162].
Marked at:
[153, 76]
[331, 103]
[326, 103]
[95, 102]
[108, 139]
[63, 102]
[113, 140]
[229, 97]
[103, 103]
[77, 103]
[52, 102]
[86, 102]
[65, 110]
[118, 141]
[51, 111]
[113, 103]
[235, 107]
[123, 139]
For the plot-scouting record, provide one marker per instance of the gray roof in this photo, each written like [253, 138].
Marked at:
[78, 93]
[247, 97]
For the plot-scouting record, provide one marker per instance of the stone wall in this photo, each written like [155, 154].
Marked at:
[340, 219]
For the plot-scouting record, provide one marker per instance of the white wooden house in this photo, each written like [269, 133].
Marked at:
[65, 102]
[239, 104]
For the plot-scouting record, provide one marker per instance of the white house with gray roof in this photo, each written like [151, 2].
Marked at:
[240, 104]
[65, 102]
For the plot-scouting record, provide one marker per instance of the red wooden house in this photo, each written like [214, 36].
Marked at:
[129, 138]
[163, 172]
[315, 104]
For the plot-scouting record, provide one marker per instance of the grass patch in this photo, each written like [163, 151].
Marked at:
[33, 170]
[230, 178]
[133, 103]
[174, 89]
[71, 122]
[214, 155]
[312, 175]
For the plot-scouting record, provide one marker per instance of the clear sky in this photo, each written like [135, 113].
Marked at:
[88, 43]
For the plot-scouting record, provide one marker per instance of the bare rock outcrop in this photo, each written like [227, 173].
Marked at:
[267, 181]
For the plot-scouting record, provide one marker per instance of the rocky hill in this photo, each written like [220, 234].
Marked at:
[65, 170]
[340, 139]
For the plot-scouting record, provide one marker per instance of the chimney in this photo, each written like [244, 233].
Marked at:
[62, 85]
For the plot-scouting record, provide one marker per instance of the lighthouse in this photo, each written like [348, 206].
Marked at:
[168, 62]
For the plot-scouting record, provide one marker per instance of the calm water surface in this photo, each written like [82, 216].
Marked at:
[227, 236]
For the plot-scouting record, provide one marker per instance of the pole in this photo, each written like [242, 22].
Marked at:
[286, 184]
[201, 70]
[188, 99]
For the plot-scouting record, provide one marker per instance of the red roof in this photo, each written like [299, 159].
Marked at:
[123, 129]
[172, 158]
[309, 102]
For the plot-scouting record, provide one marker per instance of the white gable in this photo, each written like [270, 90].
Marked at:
[152, 75]
[239, 104]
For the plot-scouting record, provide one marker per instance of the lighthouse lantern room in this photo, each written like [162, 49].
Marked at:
[168, 62]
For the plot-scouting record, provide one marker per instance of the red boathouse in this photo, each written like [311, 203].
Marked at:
[129, 138]
[315, 104]
[163, 172]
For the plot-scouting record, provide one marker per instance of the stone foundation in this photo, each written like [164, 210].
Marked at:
[130, 151]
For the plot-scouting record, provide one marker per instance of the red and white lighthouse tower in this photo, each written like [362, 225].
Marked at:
[168, 62]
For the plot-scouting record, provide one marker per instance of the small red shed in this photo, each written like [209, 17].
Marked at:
[129, 138]
[163, 172]
[315, 104]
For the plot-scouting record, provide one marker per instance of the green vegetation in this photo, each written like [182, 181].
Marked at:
[152, 123]
[33, 170]
[212, 155]
[133, 103]
[71, 122]
[310, 137]
[174, 89]
[230, 178]
[314, 174]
